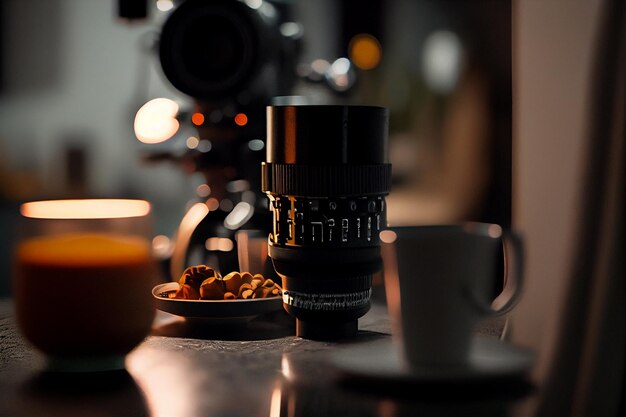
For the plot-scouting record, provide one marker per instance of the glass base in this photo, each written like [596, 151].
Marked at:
[85, 363]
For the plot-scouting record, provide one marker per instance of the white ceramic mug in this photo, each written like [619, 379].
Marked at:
[439, 282]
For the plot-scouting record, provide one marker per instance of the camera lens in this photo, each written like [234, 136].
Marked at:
[326, 175]
[211, 49]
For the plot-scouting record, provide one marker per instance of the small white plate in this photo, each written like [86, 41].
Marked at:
[214, 311]
[490, 359]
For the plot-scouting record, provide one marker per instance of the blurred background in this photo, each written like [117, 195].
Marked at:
[78, 82]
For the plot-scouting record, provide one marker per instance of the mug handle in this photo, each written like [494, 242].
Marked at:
[509, 296]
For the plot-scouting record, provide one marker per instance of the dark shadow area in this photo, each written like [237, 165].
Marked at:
[81, 394]
[362, 336]
[8, 218]
[490, 389]
[309, 397]
[265, 327]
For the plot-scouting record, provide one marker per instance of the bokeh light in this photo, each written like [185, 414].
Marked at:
[204, 146]
[165, 5]
[340, 76]
[365, 51]
[213, 204]
[85, 209]
[192, 142]
[241, 119]
[254, 4]
[240, 214]
[222, 244]
[162, 247]
[203, 190]
[155, 121]
[197, 119]
[388, 236]
[442, 60]
[256, 144]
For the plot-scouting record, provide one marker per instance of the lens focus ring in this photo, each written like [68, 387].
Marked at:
[333, 180]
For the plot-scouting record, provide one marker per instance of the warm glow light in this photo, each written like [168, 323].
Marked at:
[155, 121]
[491, 230]
[388, 236]
[213, 204]
[162, 246]
[241, 119]
[170, 381]
[160, 242]
[197, 119]
[494, 231]
[192, 142]
[84, 250]
[85, 209]
[365, 51]
[187, 225]
[320, 65]
[203, 190]
[222, 244]
[275, 403]
[285, 369]
[316, 71]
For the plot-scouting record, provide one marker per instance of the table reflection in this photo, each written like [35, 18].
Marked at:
[301, 391]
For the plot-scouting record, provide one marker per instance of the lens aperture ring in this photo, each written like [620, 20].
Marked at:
[327, 181]
[327, 302]
[327, 222]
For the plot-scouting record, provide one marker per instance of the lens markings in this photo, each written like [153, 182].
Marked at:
[327, 301]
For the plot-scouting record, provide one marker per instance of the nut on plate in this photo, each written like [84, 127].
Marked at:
[204, 283]
[212, 289]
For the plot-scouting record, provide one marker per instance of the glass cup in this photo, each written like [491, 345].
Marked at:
[83, 274]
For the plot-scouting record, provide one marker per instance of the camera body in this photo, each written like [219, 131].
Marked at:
[231, 57]
[225, 50]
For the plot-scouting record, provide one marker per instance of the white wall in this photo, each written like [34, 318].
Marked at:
[73, 69]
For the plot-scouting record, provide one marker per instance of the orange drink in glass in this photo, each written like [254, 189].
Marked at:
[82, 282]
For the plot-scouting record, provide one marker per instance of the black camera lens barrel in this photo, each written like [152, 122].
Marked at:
[327, 135]
[326, 175]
